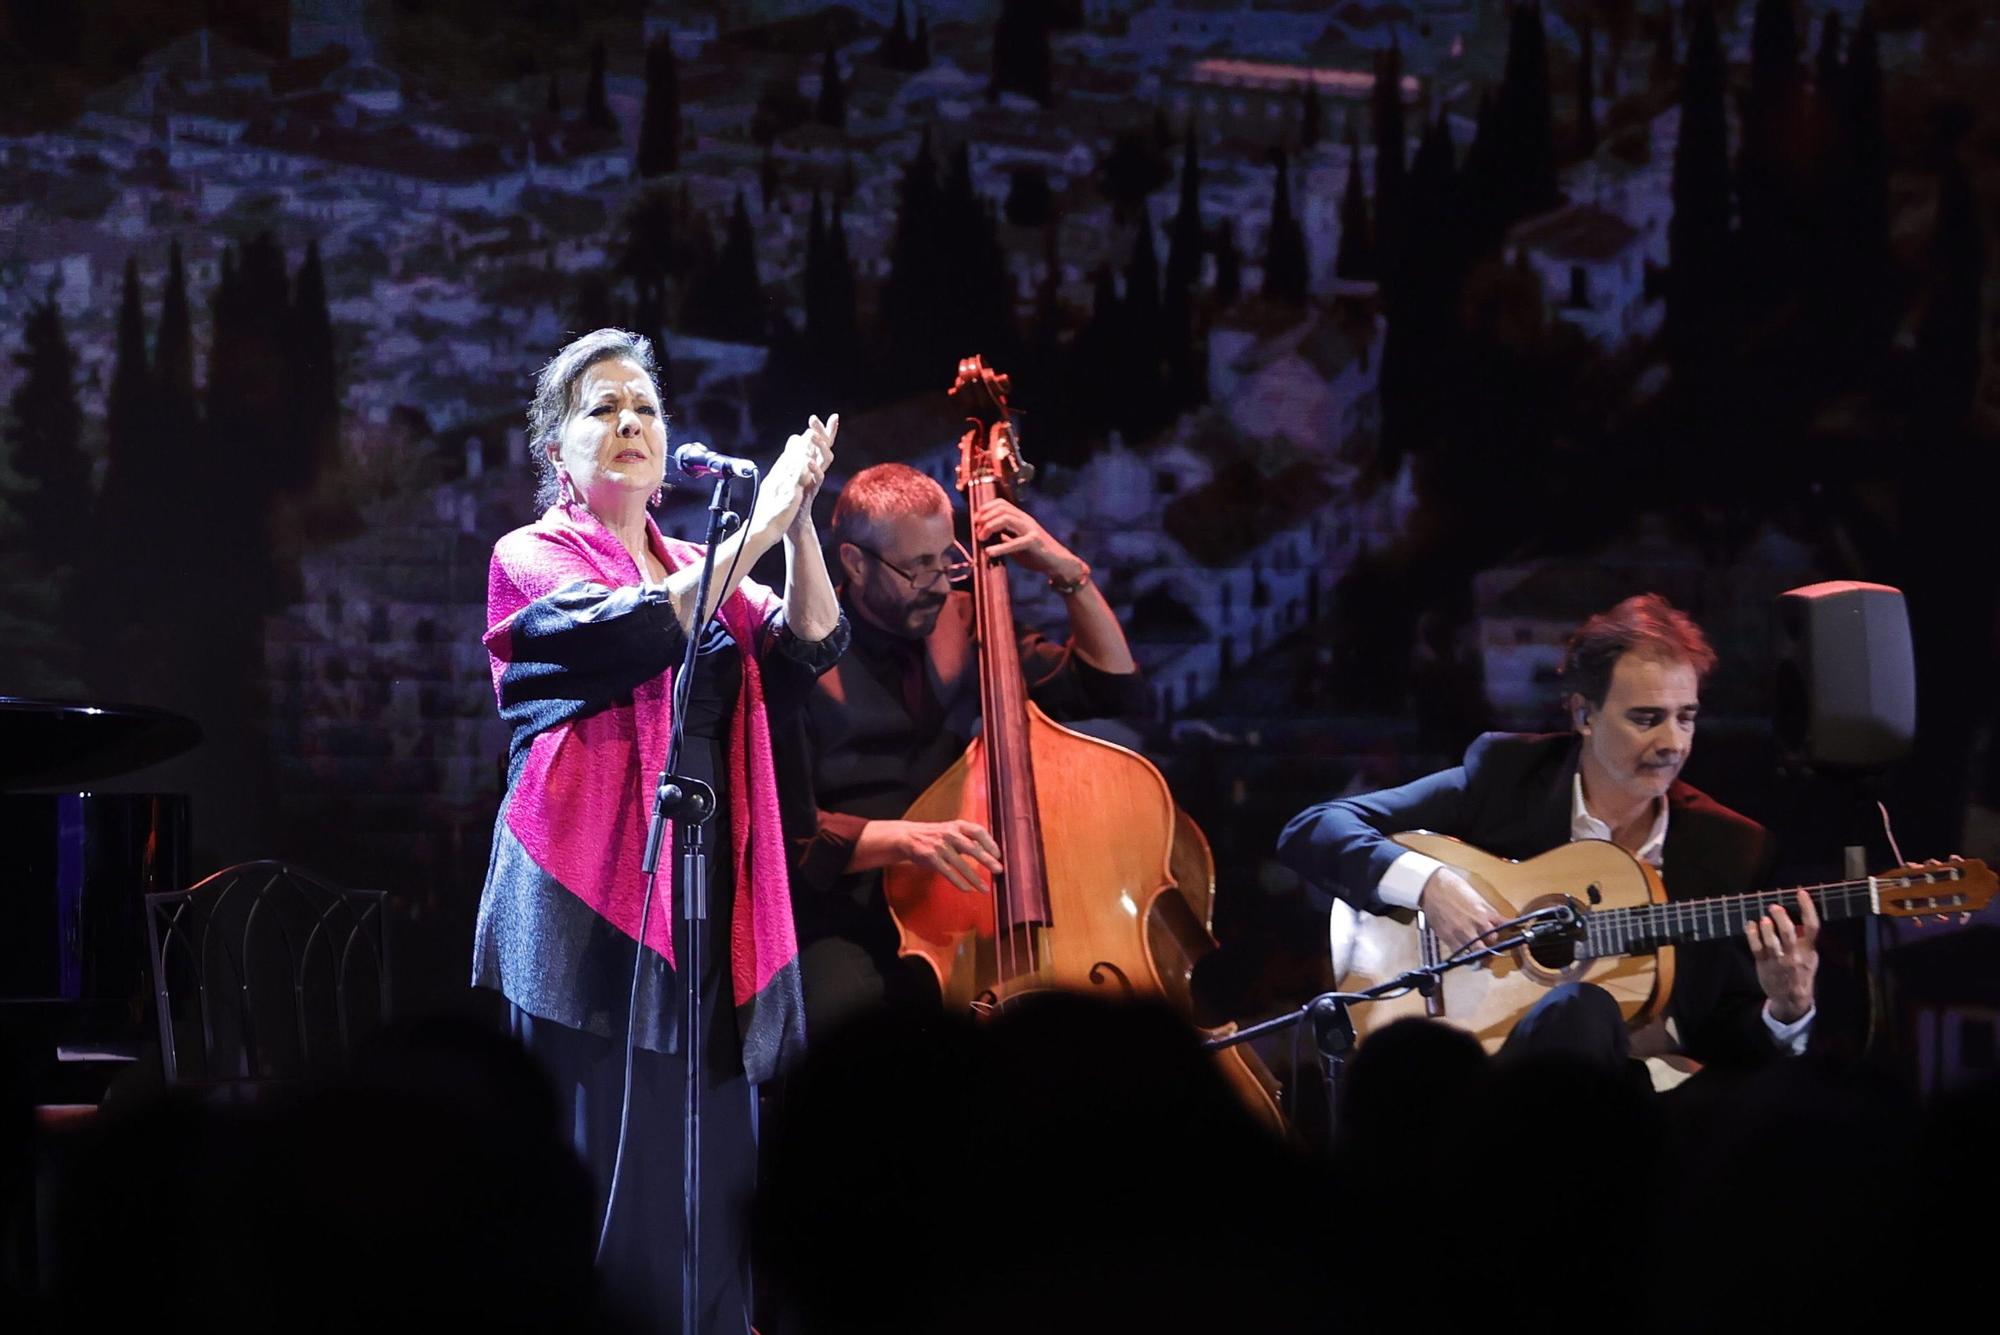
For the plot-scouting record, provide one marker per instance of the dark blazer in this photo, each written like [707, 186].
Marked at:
[1511, 798]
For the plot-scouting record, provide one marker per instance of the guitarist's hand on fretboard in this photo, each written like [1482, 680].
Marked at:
[1787, 957]
[1454, 911]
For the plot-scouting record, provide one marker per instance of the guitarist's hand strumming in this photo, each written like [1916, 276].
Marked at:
[1454, 910]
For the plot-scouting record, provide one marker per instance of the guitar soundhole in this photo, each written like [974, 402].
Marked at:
[1554, 953]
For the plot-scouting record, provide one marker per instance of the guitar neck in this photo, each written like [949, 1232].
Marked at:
[1684, 922]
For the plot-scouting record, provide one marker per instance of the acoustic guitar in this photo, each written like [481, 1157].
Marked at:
[1625, 943]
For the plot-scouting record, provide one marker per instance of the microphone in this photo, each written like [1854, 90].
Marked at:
[1561, 919]
[697, 460]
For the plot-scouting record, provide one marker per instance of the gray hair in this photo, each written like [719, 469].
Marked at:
[555, 395]
[880, 494]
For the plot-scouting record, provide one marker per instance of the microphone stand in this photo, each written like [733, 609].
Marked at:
[690, 804]
[1333, 1026]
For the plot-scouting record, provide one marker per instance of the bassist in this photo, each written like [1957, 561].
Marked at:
[875, 732]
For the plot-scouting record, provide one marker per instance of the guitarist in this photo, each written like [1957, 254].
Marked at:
[1633, 677]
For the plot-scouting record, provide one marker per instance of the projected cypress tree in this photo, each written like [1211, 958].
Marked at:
[1586, 110]
[1866, 208]
[1029, 199]
[1136, 166]
[830, 333]
[594, 306]
[1826, 65]
[977, 307]
[842, 318]
[314, 372]
[251, 387]
[1185, 235]
[1698, 232]
[1286, 265]
[1391, 153]
[1312, 116]
[139, 510]
[1423, 294]
[660, 122]
[1187, 381]
[44, 435]
[1482, 192]
[832, 106]
[1356, 256]
[596, 103]
[1947, 567]
[173, 359]
[1947, 353]
[177, 431]
[46, 537]
[1228, 265]
[896, 46]
[1143, 346]
[1096, 357]
[1022, 62]
[1524, 119]
[1767, 182]
[911, 325]
[734, 308]
[128, 410]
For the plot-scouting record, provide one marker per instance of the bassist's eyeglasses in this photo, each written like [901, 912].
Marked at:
[926, 577]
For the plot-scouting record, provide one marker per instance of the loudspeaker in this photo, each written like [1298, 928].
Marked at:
[1846, 676]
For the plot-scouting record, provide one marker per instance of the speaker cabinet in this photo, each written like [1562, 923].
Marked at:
[1846, 676]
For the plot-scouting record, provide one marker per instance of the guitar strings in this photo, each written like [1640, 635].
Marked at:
[1628, 924]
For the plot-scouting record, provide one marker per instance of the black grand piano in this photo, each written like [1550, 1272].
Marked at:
[77, 866]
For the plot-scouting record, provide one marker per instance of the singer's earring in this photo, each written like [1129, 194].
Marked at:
[565, 489]
[659, 494]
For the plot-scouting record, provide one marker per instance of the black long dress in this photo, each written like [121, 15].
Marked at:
[641, 1262]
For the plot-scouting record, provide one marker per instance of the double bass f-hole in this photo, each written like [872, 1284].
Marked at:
[1105, 971]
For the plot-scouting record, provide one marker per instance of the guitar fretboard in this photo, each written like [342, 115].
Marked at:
[1628, 931]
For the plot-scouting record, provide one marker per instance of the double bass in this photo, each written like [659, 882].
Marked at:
[1108, 886]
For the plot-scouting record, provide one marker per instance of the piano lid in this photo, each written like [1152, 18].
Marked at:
[74, 743]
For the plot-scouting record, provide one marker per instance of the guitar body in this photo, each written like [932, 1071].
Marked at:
[1489, 998]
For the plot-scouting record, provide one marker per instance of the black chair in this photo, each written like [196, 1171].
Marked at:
[265, 973]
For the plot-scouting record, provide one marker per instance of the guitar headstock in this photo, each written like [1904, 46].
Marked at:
[989, 448]
[1921, 889]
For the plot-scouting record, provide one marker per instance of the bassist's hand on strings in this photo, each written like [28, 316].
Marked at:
[1008, 530]
[961, 851]
[1454, 910]
[1787, 957]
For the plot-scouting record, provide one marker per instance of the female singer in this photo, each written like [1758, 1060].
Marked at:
[589, 611]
